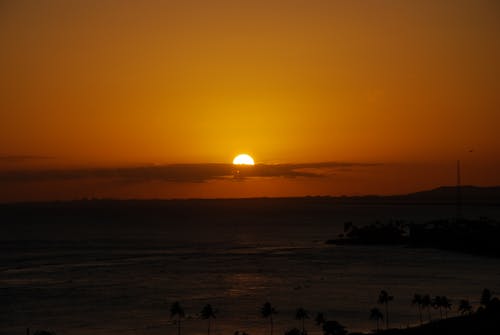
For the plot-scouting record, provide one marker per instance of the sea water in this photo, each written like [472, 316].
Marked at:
[111, 278]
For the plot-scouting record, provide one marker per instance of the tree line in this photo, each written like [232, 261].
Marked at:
[423, 303]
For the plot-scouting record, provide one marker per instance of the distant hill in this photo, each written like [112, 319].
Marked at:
[440, 195]
[270, 207]
[448, 194]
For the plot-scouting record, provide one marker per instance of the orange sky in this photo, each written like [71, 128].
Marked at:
[410, 85]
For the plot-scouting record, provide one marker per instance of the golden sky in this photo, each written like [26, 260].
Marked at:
[395, 90]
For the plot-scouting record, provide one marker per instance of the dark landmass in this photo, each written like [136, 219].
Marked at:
[486, 321]
[481, 237]
[392, 233]
[317, 205]
[448, 194]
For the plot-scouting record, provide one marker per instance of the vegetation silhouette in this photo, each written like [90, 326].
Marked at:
[463, 235]
[464, 307]
[436, 304]
[417, 301]
[333, 328]
[267, 311]
[208, 313]
[446, 304]
[301, 314]
[376, 314]
[427, 304]
[485, 321]
[383, 299]
[329, 327]
[376, 233]
[176, 310]
[485, 297]
[294, 331]
[319, 319]
[441, 302]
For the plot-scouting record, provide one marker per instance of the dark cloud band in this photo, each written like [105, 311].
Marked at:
[195, 173]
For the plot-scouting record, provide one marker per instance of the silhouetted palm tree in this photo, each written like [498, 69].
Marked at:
[376, 314]
[302, 315]
[208, 313]
[464, 306]
[384, 298]
[446, 304]
[427, 303]
[440, 302]
[486, 297]
[177, 311]
[437, 304]
[417, 300]
[267, 311]
[320, 319]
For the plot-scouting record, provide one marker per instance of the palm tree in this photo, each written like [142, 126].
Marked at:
[177, 310]
[464, 306]
[417, 300]
[319, 319]
[486, 297]
[267, 311]
[302, 314]
[208, 313]
[426, 303]
[446, 304]
[384, 299]
[376, 314]
[438, 304]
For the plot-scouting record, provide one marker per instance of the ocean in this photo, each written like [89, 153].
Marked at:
[120, 274]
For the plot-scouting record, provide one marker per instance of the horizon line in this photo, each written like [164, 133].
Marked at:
[343, 196]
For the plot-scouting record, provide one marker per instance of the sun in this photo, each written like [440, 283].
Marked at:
[243, 159]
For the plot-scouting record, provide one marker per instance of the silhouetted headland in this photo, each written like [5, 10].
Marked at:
[481, 237]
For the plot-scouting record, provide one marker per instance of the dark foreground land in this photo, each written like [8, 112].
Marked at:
[484, 322]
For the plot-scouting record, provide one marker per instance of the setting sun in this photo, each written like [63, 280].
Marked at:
[243, 159]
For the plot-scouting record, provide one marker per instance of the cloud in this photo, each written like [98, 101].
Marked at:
[181, 173]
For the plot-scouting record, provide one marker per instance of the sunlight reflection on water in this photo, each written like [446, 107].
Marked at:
[125, 285]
